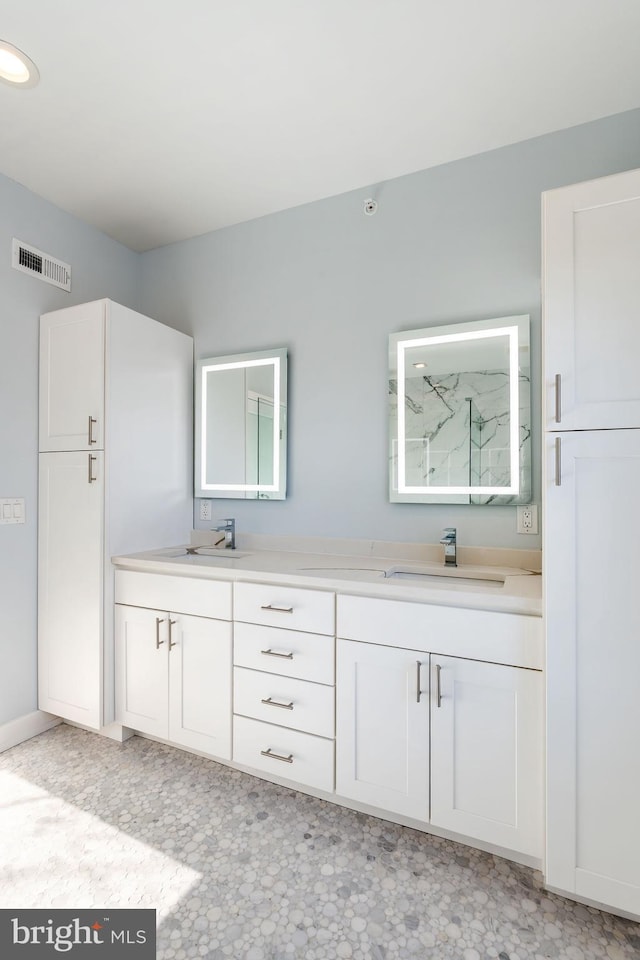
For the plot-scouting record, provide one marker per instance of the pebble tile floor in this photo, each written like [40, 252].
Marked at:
[240, 868]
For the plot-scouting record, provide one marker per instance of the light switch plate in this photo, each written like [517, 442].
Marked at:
[11, 510]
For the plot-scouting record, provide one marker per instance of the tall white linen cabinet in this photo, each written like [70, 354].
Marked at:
[115, 476]
[591, 548]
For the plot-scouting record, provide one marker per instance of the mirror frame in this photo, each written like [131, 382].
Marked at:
[276, 490]
[517, 329]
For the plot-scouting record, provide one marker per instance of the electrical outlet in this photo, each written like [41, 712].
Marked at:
[205, 509]
[527, 518]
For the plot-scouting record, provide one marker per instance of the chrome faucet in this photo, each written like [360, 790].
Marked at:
[449, 540]
[228, 527]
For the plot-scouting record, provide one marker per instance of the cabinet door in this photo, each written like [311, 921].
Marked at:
[200, 684]
[591, 564]
[382, 720]
[591, 251]
[72, 378]
[142, 669]
[486, 752]
[70, 586]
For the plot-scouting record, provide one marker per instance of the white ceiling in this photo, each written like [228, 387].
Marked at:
[157, 120]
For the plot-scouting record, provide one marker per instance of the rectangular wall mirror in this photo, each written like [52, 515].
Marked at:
[460, 413]
[241, 426]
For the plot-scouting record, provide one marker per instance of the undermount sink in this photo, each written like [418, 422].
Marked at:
[200, 553]
[447, 577]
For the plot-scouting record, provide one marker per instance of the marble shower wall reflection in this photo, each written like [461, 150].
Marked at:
[457, 426]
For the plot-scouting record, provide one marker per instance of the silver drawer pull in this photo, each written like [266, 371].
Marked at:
[159, 620]
[275, 703]
[558, 476]
[276, 756]
[272, 653]
[90, 477]
[438, 685]
[92, 420]
[276, 608]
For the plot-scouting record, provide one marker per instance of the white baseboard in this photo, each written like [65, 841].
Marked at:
[23, 728]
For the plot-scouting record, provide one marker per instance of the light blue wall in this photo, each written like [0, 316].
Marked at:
[456, 242]
[100, 268]
[459, 241]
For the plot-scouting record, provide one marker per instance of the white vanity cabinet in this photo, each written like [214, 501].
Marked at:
[486, 752]
[413, 722]
[382, 719]
[173, 668]
[115, 476]
[284, 694]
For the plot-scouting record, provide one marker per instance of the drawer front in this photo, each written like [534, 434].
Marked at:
[300, 757]
[290, 653]
[509, 638]
[298, 704]
[201, 598]
[280, 606]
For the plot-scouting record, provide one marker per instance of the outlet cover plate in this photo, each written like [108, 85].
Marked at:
[527, 518]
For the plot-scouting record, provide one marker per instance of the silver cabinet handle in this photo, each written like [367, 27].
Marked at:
[275, 703]
[558, 397]
[276, 608]
[438, 686]
[92, 420]
[272, 653]
[418, 690]
[159, 620]
[172, 643]
[558, 476]
[276, 756]
[91, 478]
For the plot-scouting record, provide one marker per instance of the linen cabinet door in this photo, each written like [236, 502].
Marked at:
[592, 558]
[72, 378]
[200, 684]
[142, 669]
[70, 586]
[591, 283]
[382, 721]
[486, 756]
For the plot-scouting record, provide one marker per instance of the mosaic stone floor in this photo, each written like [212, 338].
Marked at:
[240, 868]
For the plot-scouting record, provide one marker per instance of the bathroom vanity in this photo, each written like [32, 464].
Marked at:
[378, 684]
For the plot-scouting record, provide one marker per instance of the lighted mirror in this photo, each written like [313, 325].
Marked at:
[460, 413]
[241, 426]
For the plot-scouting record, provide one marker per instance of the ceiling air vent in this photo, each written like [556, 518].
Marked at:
[39, 264]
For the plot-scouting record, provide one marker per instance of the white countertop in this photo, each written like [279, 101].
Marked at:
[504, 588]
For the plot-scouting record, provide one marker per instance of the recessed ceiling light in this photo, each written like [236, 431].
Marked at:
[16, 68]
[419, 366]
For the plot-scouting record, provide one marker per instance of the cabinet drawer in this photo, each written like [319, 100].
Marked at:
[290, 653]
[301, 757]
[292, 703]
[509, 638]
[201, 598]
[281, 606]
